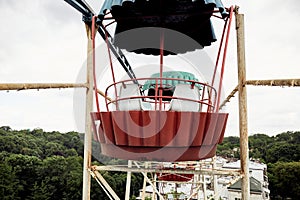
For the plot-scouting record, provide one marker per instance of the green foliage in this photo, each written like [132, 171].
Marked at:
[229, 147]
[9, 184]
[283, 147]
[282, 151]
[285, 178]
[40, 144]
[48, 165]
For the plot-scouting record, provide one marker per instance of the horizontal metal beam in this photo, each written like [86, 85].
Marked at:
[28, 86]
[272, 82]
[234, 172]
[38, 86]
[275, 82]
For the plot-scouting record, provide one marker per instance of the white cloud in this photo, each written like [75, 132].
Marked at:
[273, 109]
[50, 110]
[40, 46]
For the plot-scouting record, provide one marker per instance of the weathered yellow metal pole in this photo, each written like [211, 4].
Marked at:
[128, 181]
[243, 121]
[88, 123]
[29, 86]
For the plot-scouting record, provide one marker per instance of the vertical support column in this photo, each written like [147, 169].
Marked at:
[243, 121]
[88, 123]
[199, 197]
[154, 197]
[204, 187]
[128, 181]
[144, 183]
[144, 188]
[215, 177]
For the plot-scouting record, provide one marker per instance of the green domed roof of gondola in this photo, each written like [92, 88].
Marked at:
[189, 17]
[172, 75]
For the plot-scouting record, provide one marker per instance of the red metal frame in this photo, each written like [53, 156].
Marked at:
[210, 101]
[224, 58]
[94, 61]
[162, 42]
[183, 137]
[221, 49]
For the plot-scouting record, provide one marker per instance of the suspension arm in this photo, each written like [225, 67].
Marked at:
[87, 14]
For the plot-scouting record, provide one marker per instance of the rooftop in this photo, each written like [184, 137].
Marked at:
[255, 185]
[252, 165]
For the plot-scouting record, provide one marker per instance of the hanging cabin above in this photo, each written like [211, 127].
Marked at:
[184, 17]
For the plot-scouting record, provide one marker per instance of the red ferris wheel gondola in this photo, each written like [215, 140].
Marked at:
[171, 115]
[176, 177]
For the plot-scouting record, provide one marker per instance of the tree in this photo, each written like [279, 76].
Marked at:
[228, 146]
[53, 173]
[54, 148]
[258, 146]
[73, 178]
[284, 179]
[9, 184]
[5, 128]
[25, 170]
[282, 151]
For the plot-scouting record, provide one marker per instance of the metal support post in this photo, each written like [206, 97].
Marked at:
[144, 188]
[144, 183]
[155, 190]
[243, 122]
[105, 186]
[88, 123]
[204, 187]
[154, 187]
[128, 181]
[195, 192]
[215, 178]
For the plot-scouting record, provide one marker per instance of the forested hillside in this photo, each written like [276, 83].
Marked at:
[48, 165]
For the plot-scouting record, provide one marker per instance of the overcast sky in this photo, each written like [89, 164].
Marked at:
[45, 41]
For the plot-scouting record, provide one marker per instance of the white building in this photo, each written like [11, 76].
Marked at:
[256, 190]
[258, 181]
